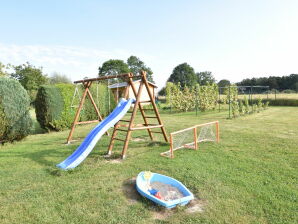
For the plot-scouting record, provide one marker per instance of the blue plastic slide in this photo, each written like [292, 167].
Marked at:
[93, 137]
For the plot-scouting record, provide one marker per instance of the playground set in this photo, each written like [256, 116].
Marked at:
[115, 119]
[163, 190]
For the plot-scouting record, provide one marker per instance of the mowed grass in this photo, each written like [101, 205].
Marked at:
[250, 177]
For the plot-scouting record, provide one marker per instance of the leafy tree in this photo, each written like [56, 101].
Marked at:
[2, 71]
[113, 67]
[58, 78]
[136, 65]
[30, 77]
[162, 92]
[223, 83]
[205, 77]
[183, 74]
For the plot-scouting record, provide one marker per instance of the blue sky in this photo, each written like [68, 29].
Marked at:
[232, 39]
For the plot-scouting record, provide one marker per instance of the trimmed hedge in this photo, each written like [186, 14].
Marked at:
[280, 102]
[15, 120]
[48, 106]
[53, 105]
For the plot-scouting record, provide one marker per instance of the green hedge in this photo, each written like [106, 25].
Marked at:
[280, 102]
[15, 120]
[48, 106]
[53, 105]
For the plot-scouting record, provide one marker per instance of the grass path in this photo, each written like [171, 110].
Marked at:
[250, 177]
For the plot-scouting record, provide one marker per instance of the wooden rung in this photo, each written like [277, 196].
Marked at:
[125, 121]
[121, 130]
[146, 101]
[147, 127]
[159, 132]
[87, 122]
[118, 139]
[122, 125]
[150, 117]
[147, 109]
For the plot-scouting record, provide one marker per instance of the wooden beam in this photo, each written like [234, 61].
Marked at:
[105, 77]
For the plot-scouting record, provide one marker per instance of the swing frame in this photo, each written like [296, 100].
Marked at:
[129, 124]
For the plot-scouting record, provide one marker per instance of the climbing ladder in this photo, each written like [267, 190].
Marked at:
[128, 126]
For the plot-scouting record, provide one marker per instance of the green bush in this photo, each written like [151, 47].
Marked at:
[280, 102]
[56, 111]
[288, 91]
[48, 106]
[67, 114]
[15, 120]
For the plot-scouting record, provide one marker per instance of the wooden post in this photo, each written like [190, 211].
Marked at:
[217, 132]
[195, 138]
[87, 85]
[113, 139]
[171, 147]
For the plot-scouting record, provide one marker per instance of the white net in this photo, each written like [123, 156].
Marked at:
[183, 139]
[207, 133]
[186, 138]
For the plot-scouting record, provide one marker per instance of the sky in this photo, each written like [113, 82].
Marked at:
[234, 39]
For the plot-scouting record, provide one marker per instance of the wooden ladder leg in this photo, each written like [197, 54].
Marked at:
[125, 147]
[113, 139]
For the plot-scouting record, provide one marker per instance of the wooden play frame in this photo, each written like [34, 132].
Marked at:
[195, 139]
[129, 124]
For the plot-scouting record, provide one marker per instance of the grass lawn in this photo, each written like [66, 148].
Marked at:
[250, 177]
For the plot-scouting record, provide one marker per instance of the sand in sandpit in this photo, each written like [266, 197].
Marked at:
[167, 191]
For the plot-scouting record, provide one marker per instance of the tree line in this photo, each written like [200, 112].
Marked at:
[186, 76]
[32, 77]
[289, 82]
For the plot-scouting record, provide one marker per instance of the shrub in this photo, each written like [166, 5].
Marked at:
[67, 114]
[241, 108]
[288, 91]
[281, 102]
[53, 105]
[259, 105]
[48, 106]
[207, 97]
[235, 108]
[15, 120]
[246, 105]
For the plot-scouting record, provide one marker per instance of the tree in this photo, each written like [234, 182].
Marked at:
[183, 74]
[223, 83]
[135, 65]
[30, 77]
[58, 78]
[2, 71]
[113, 67]
[205, 78]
